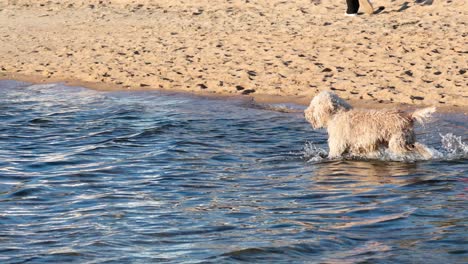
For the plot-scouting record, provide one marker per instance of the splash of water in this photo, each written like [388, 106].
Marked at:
[387, 155]
[313, 153]
[452, 148]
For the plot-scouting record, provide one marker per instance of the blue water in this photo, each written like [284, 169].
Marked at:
[149, 177]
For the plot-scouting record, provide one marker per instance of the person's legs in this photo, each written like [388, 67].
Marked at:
[366, 6]
[353, 6]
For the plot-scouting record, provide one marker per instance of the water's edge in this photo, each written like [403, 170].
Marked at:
[262, 99]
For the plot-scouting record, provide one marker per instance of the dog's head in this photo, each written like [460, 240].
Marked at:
[322, 107]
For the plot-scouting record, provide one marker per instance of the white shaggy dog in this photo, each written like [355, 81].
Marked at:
[362, 132]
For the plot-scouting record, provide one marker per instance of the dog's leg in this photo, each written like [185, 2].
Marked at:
[337, 147]
[397, 144]
[422, 150]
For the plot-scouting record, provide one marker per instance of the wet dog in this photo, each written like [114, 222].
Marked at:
[362, 132]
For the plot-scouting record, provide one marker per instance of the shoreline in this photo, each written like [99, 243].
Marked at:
[257, 98]
[274, 51]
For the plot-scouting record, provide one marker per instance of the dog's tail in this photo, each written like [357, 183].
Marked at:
[423, 115]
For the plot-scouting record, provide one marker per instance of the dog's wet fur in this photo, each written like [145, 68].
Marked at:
[362, 132]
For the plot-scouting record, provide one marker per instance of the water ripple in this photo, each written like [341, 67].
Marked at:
[94, 177]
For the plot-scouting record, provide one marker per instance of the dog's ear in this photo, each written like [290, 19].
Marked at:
[338, 104]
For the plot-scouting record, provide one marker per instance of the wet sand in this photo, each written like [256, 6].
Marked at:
[275, 51]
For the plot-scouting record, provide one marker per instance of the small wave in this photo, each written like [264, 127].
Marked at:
[283, 108]
[279, 107]
[42, 87]
[373, 221]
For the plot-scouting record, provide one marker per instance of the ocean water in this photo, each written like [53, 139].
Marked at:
[150, 177]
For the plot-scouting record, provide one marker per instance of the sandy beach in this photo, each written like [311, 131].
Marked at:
[273, 50]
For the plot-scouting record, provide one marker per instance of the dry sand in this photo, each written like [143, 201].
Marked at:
[274, 50]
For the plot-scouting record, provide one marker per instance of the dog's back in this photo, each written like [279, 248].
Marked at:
[363, 130]
[377, 122]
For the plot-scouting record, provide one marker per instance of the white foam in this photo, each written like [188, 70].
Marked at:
[313, 153]
[452, 148]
